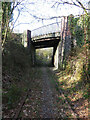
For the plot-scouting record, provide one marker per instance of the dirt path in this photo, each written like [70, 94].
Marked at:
[54, 104]
[43, 100]
[49, 110]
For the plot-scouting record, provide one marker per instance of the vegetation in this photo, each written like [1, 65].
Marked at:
[15, 65]
[19, 76]
[73, 82]
[6, 19]
[77, 26]
[44, 57]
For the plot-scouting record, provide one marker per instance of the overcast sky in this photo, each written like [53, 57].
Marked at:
[42, 9]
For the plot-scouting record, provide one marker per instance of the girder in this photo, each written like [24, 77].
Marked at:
[46, 42]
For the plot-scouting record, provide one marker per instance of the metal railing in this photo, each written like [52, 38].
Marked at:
[51, 28]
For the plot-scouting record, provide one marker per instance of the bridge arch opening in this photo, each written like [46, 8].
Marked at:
[44, 57]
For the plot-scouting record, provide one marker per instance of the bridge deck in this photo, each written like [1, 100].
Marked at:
[46, 36]
[48, 40]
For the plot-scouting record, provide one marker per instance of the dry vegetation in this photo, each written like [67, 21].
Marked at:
[74, 82]
[19, 76]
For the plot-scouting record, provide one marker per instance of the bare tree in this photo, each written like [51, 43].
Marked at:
[5, 25]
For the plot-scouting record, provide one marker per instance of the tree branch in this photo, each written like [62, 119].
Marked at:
[82, 6]
[23, 23]
[69, 3]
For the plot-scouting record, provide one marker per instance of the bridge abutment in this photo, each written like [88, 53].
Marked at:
[31, 47]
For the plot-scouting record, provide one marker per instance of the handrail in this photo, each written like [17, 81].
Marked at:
[51, 28]
[46, 25]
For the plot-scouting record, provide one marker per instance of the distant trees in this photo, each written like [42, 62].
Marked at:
[44, 56]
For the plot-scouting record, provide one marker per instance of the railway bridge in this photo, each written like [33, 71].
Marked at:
[56, 35]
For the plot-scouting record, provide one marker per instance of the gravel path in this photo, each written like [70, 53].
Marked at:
[49, 110]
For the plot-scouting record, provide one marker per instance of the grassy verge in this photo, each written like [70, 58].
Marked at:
[74, 82]
[17, 75]
[32, 106]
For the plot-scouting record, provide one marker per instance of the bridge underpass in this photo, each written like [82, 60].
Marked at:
[57, 36]
[47, 43]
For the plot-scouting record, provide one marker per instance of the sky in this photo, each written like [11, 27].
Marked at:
[30, 9]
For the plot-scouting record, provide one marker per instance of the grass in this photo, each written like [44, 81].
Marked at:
[18, 77]
[34, 98]
[16, 72]
[13, 95]
[73, 80]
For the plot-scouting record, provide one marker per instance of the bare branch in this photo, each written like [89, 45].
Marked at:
[16, 19]
[24, 23]
[69, 3]
[82, 6]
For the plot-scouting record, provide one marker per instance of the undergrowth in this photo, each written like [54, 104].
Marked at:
[75, 78]
[73, 81]
[16, 72]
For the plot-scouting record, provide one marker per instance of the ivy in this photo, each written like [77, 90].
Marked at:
[77, 28]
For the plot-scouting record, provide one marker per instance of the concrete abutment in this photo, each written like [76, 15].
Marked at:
[31, 47]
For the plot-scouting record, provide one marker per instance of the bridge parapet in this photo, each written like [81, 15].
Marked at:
[50, 35]
[44, 30]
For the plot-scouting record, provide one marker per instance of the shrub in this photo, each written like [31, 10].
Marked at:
[13, 95]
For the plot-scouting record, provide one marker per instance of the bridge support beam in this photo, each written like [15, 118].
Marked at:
[31, 47]
[65, 43]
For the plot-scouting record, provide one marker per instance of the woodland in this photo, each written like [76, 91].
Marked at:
[22, 83]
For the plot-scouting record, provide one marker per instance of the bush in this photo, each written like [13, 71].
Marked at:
[13, 95]
[15, 54]
[15, 64]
